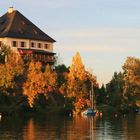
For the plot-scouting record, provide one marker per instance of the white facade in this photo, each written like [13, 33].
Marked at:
[15, 43]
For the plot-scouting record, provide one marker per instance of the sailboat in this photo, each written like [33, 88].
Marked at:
[92, 109]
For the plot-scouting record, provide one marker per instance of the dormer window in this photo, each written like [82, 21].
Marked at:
[22, 44]
[14, 43]
[34, 31]
[23, 22]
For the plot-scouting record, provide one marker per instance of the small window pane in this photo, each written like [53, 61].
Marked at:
[22, 44]
[33, 44]
[0, 43]
[46, 46]
[39, 45]
[14, 43]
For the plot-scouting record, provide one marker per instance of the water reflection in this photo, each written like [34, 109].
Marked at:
[68, 128]
[29, 130]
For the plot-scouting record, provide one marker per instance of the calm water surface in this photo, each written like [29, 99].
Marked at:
[70, 128]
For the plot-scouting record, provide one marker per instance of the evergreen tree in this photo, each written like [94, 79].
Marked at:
[114, 90]
[101, 95]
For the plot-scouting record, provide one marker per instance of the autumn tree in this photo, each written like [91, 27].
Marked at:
[4, 52]
[77, 87]
[62, 74]
[11, 78]
[50, 78]
[38, 82]
[131, 69]
[33, 84]
[10, 73]
[76, 78]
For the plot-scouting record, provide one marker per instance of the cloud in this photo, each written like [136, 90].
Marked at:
[92, 48]
[115, 40]
[102, 32]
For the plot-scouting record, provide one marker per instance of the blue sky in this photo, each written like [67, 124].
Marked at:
[105, 32]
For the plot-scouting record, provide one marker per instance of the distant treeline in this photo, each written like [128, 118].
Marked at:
[31, 86]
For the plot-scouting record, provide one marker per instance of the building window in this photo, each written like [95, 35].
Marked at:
[39, 45]
[14, 43]
[0, 43]
[32, 44]
[22, 44]
[46, 46]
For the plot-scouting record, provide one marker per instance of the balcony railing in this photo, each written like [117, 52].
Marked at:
[39, 57]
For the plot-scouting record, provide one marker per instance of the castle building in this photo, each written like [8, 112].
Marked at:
[22, 36]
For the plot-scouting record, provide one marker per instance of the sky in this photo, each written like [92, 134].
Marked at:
[105, 32]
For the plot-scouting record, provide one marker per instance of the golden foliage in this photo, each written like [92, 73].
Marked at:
[132, 70]
[132, 77]
[50, 78]
[82, 104]
[9, 71]
[38, 82]
[77, 78]
[77, 69]
[33, 85]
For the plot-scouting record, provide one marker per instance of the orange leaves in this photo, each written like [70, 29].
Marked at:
[131, 69]
[77, 69]
[38, 82]
[82, 104]
[77, 78]
[33, 85]
[79, 83]
[10, 71]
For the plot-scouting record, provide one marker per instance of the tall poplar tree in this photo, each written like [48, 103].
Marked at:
[77, 78]
[78, 83]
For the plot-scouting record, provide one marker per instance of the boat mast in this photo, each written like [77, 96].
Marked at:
[92, 106]
[92, 97]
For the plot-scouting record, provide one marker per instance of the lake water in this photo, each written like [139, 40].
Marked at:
[70, 128]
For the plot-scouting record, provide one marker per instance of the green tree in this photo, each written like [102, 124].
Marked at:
[101, 95]
[114, 90]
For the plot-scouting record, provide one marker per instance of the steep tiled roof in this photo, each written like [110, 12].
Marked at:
[15, 25]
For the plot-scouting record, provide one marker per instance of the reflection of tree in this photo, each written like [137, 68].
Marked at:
[46, 128]
[65, 128]
[59, 128]
[131, 127]
[29, 132]
[82, 128]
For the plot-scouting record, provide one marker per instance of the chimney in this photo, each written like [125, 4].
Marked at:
[10, 10]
